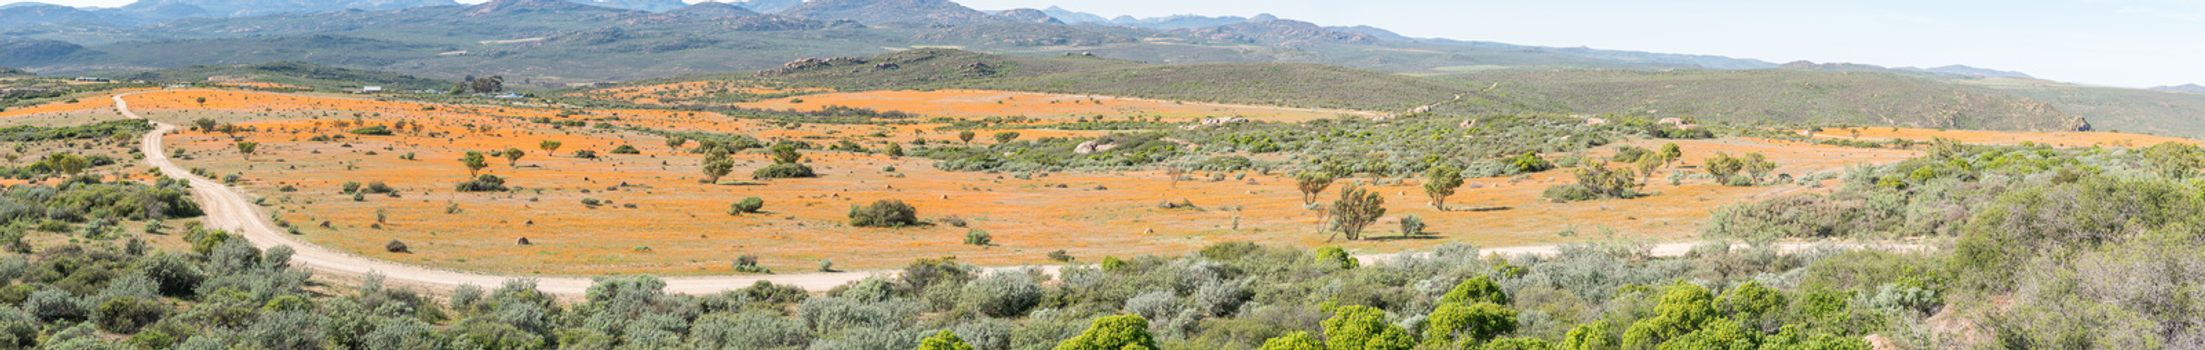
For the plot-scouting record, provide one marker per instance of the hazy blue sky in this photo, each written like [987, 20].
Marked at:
[2133, 43]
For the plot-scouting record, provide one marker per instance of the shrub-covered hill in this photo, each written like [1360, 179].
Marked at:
[297, 74]
[1279, 84]
[1780, 96]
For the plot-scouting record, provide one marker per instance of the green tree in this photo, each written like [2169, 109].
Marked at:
[1121, 332]
[1338, 257]
[717, 165]
[1356, 210]
[1479, 289]
[1441, 182]
[1006, 136]
[966, 136]
[1293, 341]
[1750, 303]
[1683, 308]
[1310, 183]
[676, 142]
[1670, 153]
[1717, 334]
[549, 146]
[1476, 322]
[786, 154]
[1589, 336]
[246, 149]
[894, 150]
[1759, 166]
[474, 162]
[204, 124]
[513, 156]
[944, 340]
[67, 163]
[1362, 328]
[1518, 343]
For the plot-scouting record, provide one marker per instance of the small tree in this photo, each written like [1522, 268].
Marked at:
[1670, 153]
[1311, 183]
[246, 149]
[1758, 166]
[204, 124]
[1356, 210]
[966, 136]
[549, 147]
[893, 150]
[1441, 182]
[944, 340]
[513, 156]
[1006, 136]
[67, 163]
[1479, 322]
[1298, 340]
[717, 165]
[1121, 332]
[786, 154]
[676, 142]
[474, 162]
[1362, 327]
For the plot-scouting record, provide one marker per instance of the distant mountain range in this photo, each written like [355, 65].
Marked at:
[595, 40]
[2184, 88]
[573, 41]
[1950, 71]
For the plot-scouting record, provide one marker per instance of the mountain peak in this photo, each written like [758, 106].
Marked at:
[712, 9]
[502, 7]
[639, 5]
[1029, 16]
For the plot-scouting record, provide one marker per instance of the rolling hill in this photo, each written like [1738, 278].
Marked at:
[1793, 96]
[1278, 84]
[295, 74]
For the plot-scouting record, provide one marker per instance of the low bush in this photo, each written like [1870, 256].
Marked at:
[783, 171]
[749, 205]
[884, 213]
[484, 183]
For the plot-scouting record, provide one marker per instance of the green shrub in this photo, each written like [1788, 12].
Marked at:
[484, 183]
[1121, 332]
[783, 171]
[884, 213]
[1001, 294]
[377, 130]
[126, 314]
[749, 205]
[978, 238]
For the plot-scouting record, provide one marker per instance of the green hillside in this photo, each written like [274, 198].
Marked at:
[307, 75]
[1278, 84]
[1778, 96]
[2118, 109]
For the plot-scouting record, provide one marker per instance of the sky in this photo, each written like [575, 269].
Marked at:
[2129, 43]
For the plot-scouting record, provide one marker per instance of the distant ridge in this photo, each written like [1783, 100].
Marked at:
[873, 12]
[2184, 88]
[1949, 71]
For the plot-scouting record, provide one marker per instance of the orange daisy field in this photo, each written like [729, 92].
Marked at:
[652, 214]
